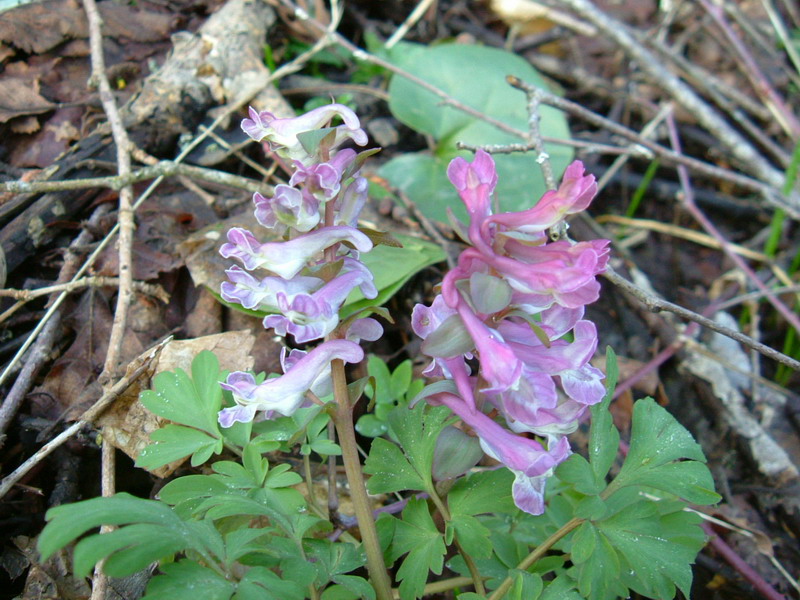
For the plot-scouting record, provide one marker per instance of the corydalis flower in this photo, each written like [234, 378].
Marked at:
[289, 207]
[282, 133]
[286, 393]
[526, 458]
[313, 316]
[287, 259]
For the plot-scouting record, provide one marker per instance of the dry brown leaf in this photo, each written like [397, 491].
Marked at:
[19, 98]
[25, 125]
[127, 425]
[38, 27]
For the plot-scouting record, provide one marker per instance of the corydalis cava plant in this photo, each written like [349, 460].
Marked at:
[303, 280]
[515, 303]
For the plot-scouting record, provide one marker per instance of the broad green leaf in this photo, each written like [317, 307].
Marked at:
[136, 546]
[281, 476]
[472, 535]
[656, 551]
[481, 493]
[256, 465]
[379, 370]
[390, 470]
[191, 487]
[598, 565]
[526, 586]
[173, 442]
[333, 559]
[417, 536]
[577, 471]
[358, 586]
[416, 429]
[657, 440]
[244, 541]
[326, 448]
[187, 580]
[68, 522]
[260, 583]
[400, 380]
[178, 398]
[422, 176]
[561, 588]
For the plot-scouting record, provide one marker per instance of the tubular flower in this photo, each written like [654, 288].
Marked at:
[515, 302]
[282, 133]
[284, 394]
[287, 259]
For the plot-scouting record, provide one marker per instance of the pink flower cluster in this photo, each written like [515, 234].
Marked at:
[310, 272]
[515, 304]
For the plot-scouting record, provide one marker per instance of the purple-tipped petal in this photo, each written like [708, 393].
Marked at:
[286, 393]
[287, 259]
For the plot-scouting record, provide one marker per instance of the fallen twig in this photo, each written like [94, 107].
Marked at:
[134, 372]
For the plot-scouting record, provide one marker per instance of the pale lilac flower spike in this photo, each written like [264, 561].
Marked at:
[299, 294]
[519, 298]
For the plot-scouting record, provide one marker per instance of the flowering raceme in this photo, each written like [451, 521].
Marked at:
[515, 302]
[309, 274]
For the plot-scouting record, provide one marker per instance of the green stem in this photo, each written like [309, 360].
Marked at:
[477, 580]
[343, 419]
[540, 551]
[312, 497]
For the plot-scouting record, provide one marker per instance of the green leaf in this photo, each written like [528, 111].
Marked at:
[182, 400]
[281, 477]
[656, 551]
[577, 471]
[417, 430]
[244, 541]
[370, 425]
[68, 522]
[472, 535]
[481, 493]
[561, 588]
[379, 371]
[358, 586]
[187, 580]
[326, 448]
[191, 487]
[333, 560]
[390, 470]
[256, 465]
[422, 176]
[392, 267]
[604, 437]
[133, 547]
[262, 584]
[598, 565]
[173, 442]
[527, 586]
[400, 380]
[416, 535]
[657, 440]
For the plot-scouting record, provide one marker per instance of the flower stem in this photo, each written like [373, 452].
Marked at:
[343, 419]
[540, 551]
